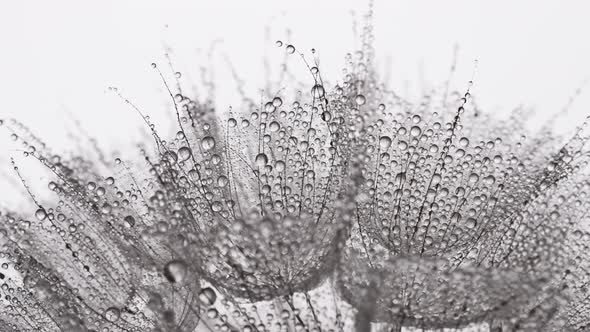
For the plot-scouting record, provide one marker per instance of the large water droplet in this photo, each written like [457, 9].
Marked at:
[261, 160]
[318, 91]
[207, 296]
[208, 143]
[129, 221]
[175, 271]
[41, 214]
[112, 314]
[274, 126]
[384, 142]
[360, 100]
[184, 153]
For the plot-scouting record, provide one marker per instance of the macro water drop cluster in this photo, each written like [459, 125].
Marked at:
[324, 207]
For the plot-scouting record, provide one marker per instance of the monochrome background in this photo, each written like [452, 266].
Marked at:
[59, 57]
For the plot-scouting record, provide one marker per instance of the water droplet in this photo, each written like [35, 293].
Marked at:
[112, 314]
[207, 296]
[290, 49]
[360, 100]
[464, 142]
[415, 131]
[184, 153]
[175, 271]
[212, 313]
[274, 126]
[171, 157]
[41, 214]
[280, 166]
[129, 221]
[277, 102]
[318, 91]
[222, 181]
[470, 223]
[261, 160]
[207, 143]
[384, 142]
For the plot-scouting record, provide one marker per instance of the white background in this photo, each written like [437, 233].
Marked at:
[59, 57]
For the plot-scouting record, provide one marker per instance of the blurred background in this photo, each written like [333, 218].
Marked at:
[59, 57]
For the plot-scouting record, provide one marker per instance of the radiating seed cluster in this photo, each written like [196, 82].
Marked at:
[338, 207]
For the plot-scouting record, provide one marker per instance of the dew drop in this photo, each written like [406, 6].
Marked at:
[129, 221]
[384, 142]
[222, 181]
[207, 296]
[277, 101]
[470, 223]
[464, 142]
[171, 157]
[185, 153]
[318, 91]
[261, 160]
[41, 214]
[290, 49]
[274, 126]
[207, 143]
[280, 166]
[360, 100]
[112, 314]
[175, 271]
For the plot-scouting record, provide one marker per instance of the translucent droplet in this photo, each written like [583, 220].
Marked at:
[290, 49]
[171, 157]
[470, 223]
[129, 221]
[415, 131]
[276, 102]
[207, 296]
[175, 271]
[212, 313]
[274, 126]
[280, 166]
[384, 142]
[184, 153]
[222, 181]
[318, 91]
[464, 142]
[41, 214]
[261, 160]
[207, 143]
[489, 180]
[112, 314]
[360, 100]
